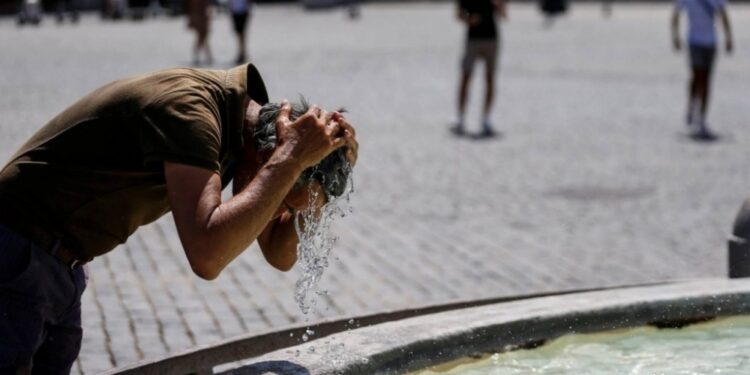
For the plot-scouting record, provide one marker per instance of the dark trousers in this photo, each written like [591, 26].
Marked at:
[40, 308]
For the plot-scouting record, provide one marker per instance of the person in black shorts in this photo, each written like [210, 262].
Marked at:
[481, 43]
[241, 11]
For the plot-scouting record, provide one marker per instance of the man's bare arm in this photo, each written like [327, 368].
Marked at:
[214, 233]
[278, 241]
[676, 29]
[727, 29]
[466, 17]
[500, 8]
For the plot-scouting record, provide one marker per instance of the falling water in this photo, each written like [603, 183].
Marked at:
[316, 242]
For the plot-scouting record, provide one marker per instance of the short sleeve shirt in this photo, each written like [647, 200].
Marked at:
[240, 6]
[701, 20]
[94, 173]
[485, 9]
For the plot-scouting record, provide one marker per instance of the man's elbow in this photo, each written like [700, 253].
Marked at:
[203, 266]
[283, 265]
[205, 270]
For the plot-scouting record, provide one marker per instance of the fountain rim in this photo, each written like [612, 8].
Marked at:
[637, 302]
[399, 346]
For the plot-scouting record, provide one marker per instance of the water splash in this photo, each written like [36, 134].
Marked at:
[316, 242]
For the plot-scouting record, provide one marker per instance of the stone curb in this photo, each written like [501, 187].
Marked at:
[201, 359]
[409, 344]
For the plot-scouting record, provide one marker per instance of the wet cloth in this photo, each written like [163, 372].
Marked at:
[40, 308]
[94, 173]
[487, 26]
[701, 16]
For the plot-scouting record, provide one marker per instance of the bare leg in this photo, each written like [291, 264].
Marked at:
[699, 98]
[241, 56]
[209, 56]
[463, 92]
[197, 49]
[693, 97]
[203, 44]
[703, 91]
[489, 94]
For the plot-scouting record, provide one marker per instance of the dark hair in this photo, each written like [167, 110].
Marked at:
[332, 172]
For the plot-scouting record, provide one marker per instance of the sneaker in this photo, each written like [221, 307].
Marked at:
[458, 129]
[487, 130]
[701, 131]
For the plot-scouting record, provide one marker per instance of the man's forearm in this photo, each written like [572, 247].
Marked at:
[214, 233]
[235, 224]
[278, 242]
[675, 25]
[727, 25]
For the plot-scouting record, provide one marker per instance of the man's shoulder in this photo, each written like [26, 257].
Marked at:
[172, 84]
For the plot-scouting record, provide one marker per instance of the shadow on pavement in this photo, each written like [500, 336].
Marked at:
[270, 368]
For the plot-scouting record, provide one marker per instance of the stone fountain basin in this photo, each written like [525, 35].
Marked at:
[410, 344]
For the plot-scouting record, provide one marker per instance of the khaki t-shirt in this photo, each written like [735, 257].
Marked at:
[94, 173]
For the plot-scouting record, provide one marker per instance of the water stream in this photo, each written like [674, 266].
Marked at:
[316, 241]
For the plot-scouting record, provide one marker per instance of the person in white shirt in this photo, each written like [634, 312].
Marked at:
[702, 50]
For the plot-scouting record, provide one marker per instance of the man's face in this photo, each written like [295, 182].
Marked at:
[251, 114]
[299, 198]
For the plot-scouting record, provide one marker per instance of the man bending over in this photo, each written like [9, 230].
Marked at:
[125, 155]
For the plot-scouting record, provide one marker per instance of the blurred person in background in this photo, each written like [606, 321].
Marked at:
[353, 9]
[702, 42]
[133, 151]
[552, 9]
[30, 11]
[482, 42]
[199, 20]
[69, 8]
[241, 11]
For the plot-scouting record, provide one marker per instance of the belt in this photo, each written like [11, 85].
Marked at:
[53, 245]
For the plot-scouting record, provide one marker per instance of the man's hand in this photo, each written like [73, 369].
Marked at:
[729, 46]
[309, 139]
[500, 8]
[474, 20]
[677, 43]
[352, 146]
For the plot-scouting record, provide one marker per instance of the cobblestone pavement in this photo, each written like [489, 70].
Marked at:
[593, 181]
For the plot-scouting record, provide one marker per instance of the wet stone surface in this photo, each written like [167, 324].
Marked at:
[591, 108]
